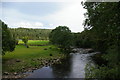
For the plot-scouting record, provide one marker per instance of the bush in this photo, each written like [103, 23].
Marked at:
[50, 54]
[45, 48]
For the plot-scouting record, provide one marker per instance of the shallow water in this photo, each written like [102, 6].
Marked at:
[71, 67]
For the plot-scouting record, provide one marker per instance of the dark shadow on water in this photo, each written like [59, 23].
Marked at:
[62, 70]
[58, 70]
[72, 66]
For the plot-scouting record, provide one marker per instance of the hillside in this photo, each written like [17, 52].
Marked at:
[33, 34]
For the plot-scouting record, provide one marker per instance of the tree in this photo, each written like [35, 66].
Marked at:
[8, 42]
[103, 23]
[33, 34]
[103, 20]
[62, 37]
[25, 40]
[83, 39]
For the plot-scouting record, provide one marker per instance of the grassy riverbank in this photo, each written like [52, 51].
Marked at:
[24, 58]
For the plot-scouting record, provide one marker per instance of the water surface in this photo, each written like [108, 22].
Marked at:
[71, 67]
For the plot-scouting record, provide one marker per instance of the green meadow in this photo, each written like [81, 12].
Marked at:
[35, 42]
[23, 58]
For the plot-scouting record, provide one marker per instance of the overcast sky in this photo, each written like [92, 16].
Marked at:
[43, 15]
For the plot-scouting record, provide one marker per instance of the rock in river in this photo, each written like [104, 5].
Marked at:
[6, 73]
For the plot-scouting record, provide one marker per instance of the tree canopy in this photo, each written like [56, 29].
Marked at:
[25, 40]
[61, 36]
[8, 41]
[103, 29]
[32, 34]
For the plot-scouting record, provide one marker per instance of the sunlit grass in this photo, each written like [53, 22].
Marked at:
[26, 55]
[35, 42]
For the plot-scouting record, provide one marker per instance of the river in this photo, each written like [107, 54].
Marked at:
[71, 67]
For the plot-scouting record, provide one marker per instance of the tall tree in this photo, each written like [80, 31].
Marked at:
[103, 21]
[8, 42]
[62, 37]
[25, 40]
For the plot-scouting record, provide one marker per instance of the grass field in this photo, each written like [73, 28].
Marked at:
[28, 57]
[35, 42]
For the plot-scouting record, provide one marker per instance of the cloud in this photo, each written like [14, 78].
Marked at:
[51, 24]
[38, 24]
[70, 15]
[42, 0]
[14, 18]
[28, 25]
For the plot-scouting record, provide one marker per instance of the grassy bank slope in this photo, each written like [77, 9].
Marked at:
[23, 58]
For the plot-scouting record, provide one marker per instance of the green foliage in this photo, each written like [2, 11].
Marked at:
[25, 40]
[102, 73]
[113, 56]
[26, 57]
[16, 41]
[35, 42]
[103, 28]
[8, 41]
[62, 37]
[82, 39]
[33, 34]
[103, 22]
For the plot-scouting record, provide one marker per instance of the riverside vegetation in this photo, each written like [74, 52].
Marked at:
[101, 33]
[24, 59]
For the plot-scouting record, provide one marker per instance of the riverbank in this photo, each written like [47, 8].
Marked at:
[73, 66]
[43, 63]
[28, 59]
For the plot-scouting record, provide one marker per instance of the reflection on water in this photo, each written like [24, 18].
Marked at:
[78, 62]
[44, 72]
[71, 67]
[62, 70]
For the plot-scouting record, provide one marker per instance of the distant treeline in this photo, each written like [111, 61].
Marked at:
[32, 34]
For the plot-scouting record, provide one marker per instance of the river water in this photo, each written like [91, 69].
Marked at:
[71, 67]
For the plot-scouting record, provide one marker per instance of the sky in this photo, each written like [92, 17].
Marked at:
[45, 15]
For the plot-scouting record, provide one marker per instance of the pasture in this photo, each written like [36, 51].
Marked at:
[35, 42]
[23, 58]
